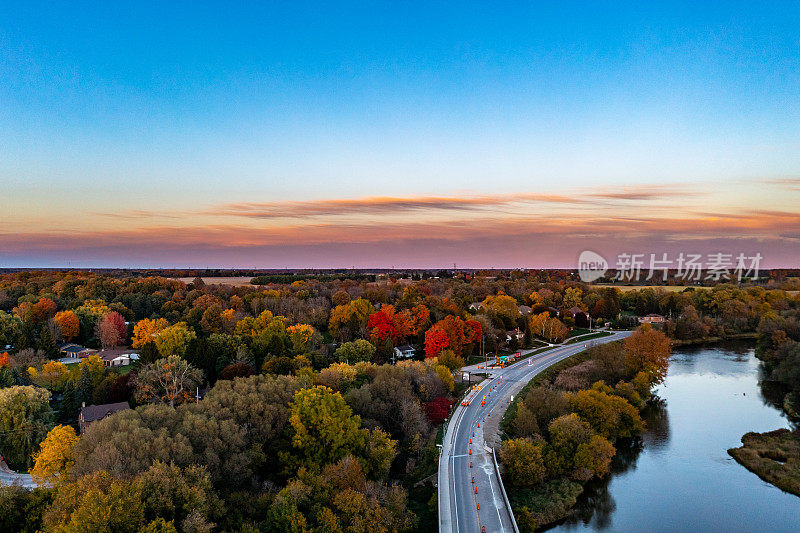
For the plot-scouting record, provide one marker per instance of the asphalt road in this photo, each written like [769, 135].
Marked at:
[9, 477]
[466, 463]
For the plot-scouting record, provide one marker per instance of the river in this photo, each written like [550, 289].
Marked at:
[679, 477]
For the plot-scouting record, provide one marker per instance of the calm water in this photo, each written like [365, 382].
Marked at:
[680, 477]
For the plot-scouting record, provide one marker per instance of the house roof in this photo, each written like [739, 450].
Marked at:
[575, 310]
[108, 355]
[406, 348]
[96, 412]
[75, 348]
[653, 315]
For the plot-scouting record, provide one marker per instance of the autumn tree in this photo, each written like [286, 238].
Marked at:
[53, 374]
[524, 461]
[111, 330]
[68, 324]
[173, 340]
[572, 297]
[609, 415]
[537, 322]
[146, 331]
[324, 430]
[387, 323]
[648, 350]
[348, 319]
[54, 459]
[555, 330]
[170, 380]
[97, 502]
[436, 340]
[6, 375]
[454, 333]
[504, 307]
[303, 337]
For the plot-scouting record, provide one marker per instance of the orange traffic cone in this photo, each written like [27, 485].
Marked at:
[470, 464]
[470, 451]
[473, 479]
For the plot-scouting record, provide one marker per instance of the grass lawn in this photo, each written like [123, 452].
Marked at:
[578, 331]
[588, 337]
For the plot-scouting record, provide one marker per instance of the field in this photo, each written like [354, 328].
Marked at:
[243, 281]
[669, 288]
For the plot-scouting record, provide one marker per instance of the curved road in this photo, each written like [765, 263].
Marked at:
[466, 463]
[9, 477]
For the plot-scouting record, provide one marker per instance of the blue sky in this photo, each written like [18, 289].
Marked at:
[187, 107]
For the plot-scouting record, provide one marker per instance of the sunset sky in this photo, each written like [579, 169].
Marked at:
[396, 134]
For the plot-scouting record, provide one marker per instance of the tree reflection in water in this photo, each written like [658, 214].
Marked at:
[596, 505]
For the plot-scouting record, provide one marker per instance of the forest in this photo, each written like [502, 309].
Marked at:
[283, 406]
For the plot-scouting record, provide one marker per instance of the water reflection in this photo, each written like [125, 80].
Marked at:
[678, 475]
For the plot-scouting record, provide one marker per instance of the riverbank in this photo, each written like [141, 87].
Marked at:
[548, 421]
[773, 456]
[679, 476]
[714, 340]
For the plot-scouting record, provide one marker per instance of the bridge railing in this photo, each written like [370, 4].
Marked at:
[503, 491]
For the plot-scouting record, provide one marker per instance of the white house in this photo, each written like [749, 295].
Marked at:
[406, 351]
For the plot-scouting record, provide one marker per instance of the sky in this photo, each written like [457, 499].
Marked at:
[402, 135]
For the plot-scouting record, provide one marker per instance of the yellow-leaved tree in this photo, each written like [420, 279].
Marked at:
[146, 330]
[54, 458]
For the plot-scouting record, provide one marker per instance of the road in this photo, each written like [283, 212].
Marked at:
[9, 477]
[466, 463]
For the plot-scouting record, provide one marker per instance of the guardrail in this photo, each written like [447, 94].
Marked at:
[503, 490]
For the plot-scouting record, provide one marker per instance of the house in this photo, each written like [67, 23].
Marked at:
[517, 334]
[652, 318]
[118, 357]
[93, 413]
[575, 310]
[475, 306]
[406, 351]
[76, 350]
[581, 317]
[524, 310]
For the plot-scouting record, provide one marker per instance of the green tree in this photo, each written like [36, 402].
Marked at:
[10, 327]
[610, 416]
[524, 461]
[504, 307]
[22, 509]
[174, 494]
[567, 433]
[174, 339]
[324, 430]
[84, 387]
[25, 418]
[96, 502]
[593, 458]
[449, 359]
[159, 525]
[355, 351]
